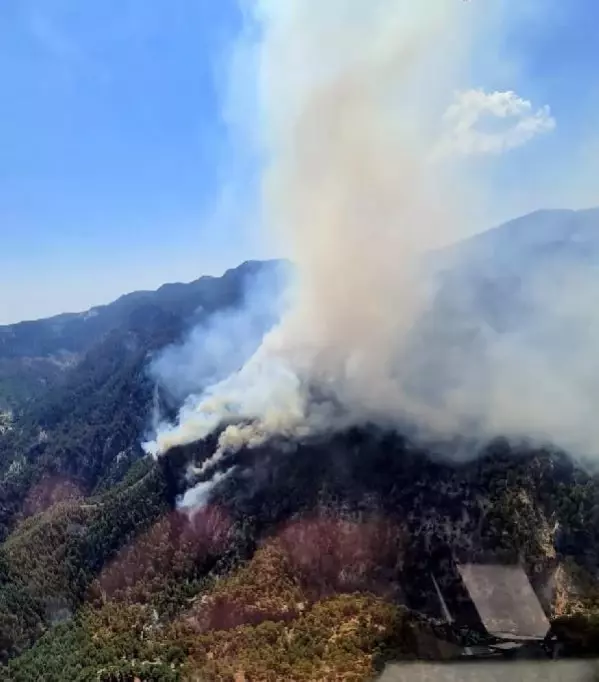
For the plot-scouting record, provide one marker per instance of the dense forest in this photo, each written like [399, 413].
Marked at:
[305, 575]
[303, 564]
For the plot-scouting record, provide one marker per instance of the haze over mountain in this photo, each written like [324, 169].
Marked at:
[532, 279]
[98, 536]
[36, 353]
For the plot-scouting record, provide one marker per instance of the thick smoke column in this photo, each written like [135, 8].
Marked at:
[350, 186]
[364, 138]
[350, 189]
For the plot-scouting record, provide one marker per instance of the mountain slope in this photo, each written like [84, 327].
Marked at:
[87, 426]
[500, 275]
[119, 582]
[39, 354]
[525, 241]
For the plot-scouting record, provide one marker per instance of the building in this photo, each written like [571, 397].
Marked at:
[492, 608]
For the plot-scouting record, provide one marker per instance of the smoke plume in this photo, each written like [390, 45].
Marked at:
[348, 190]
[354, 102]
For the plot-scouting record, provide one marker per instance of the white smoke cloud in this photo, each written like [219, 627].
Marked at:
[347, 188]
[492, 123]
[221, 344]
[351, 100]
[535, 379]
[213, 351]
[198, 495]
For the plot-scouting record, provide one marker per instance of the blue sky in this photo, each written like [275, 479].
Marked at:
[114, 152]
[553, 53]
[112, 147]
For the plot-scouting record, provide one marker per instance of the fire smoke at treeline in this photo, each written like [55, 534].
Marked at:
[367, 149]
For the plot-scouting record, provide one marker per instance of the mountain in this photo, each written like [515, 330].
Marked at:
[86, 423]
[500, 260]
[501, 274]
[41, 354]
[310, 560]
[528, 241]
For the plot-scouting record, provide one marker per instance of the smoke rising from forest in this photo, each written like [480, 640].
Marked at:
[363, 184]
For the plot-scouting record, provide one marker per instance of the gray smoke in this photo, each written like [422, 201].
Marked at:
[347, 188]
[199, 494]
[362, 180]
[214, 350]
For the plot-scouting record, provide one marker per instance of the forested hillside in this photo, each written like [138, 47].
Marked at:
[40, 355]
[82, 434]
[307, 560]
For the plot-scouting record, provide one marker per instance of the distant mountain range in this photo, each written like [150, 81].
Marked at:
[501, 269]
[36, 355]
[539, 236]
[492, 265]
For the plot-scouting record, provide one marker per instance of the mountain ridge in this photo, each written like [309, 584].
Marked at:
[104, 576]
[36, 352]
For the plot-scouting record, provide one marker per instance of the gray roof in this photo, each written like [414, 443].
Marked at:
[505, 601]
